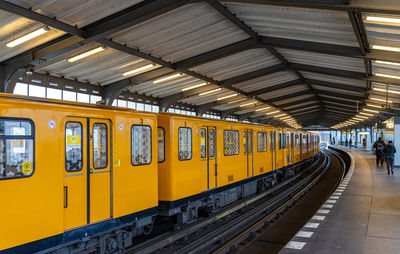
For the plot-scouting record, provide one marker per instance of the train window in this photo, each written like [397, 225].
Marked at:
[73, 147]
[211, 142]
[16, 148]
[245, 141]
[250, 142]
[297, 140]
[261, 142]
[185, 143]
[283, 141]
[203, 148]
[161, 144]
[272, 141]
[100, 146]
[231, 142]
[280, 141]
[141, 145]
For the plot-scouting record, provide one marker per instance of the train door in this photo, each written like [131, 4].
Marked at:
[273, 149]
[209, 139]
[75, 172]
[292, 145]
[99, 194]
[248, 152]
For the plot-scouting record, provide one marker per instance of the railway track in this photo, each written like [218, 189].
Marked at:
[224, 231]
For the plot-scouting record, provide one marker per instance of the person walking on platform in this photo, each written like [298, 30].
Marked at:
[389, 151]
[350, 143]
[379, 146]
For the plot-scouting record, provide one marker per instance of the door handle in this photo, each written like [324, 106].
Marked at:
[65, 196]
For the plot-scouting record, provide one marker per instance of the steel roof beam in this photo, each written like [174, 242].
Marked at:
[300, 101]
[288, 96]
[251, 75]
[355, 18]
[336, 85]
[304, 106]
[275, 87]
[328, 71]
[216, 54]
[340, 95]
[331, 102]
[338, 101]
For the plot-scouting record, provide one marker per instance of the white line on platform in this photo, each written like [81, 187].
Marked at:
[339, 190]
[306, 234]
[327, 206]
[318, 217]
[324, 211]
[311, 225]
[337, 194]
[334, 197]
[331, 201]
[295, 245]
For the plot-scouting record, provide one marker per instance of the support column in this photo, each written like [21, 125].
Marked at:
[355, 144]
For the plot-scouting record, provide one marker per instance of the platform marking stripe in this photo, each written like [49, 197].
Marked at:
[339, 190]
[311, 225]
[334, 197]
[295, 245]
[318, 217]
[331, 201]
[324, 211]
[337, 194]
[327, 206]
[306, 234]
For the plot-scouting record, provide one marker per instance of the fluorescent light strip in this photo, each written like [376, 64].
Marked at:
[143, 68]
[212, 91]
[167, 78]
[260, 109]
[384, 90]
[377, 99]
[273, 112]
[382, 19]
[375, 106]
[387, 75]
[386, 48]
[247, 104]
[235, 101]
[28, 37]
[367, 114]
[386, 62]
[226, 97]
[284, 114]
[193, 87]
[86, 54]
[370, 110]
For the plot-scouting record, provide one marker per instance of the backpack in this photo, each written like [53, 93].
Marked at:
[380, 147]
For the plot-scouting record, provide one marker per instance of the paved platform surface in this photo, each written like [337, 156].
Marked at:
[361, 216]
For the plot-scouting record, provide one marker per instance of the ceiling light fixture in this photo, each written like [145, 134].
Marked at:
[212, 91]
[226, 97]
[167, 78]
[387, 75]
[193, 87]
[386, 62]
[143, 68]
[383, 100]
[382, 19]
[384, 90]
[386, 48]
[86, 54]
[261, 109]
[28, 37]
[273, 112]
[247, 104]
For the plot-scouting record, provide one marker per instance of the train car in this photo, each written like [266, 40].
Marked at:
[70, 171]
[207, 164]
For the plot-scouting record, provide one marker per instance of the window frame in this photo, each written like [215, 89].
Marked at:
[159, 127]
[238, 133]
[205, 144]
[33, 138]
[107, 144]
[191, 143]
[151, 145]
[266, 141]
[65, 146]
[284, 145]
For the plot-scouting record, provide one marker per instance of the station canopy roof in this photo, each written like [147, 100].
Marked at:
[298, 62]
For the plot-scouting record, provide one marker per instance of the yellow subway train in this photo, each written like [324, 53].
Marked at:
[80, 177]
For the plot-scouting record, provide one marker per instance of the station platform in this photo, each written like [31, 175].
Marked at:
[361, 216]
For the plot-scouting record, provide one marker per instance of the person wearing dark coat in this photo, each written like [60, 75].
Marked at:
[389, 152]
[378, 147]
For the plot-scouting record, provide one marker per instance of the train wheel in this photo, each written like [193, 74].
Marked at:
[148, 229]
